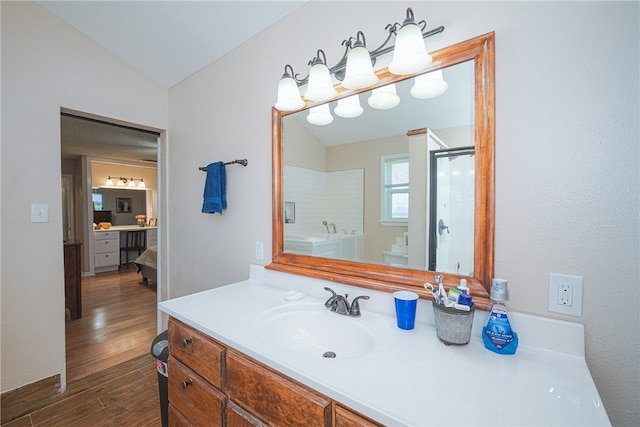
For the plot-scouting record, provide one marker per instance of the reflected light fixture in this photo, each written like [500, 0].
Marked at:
[320, 87]
[349, 107]
[429, 85]
[410, 54]
[141, 184]
[132, 183]
[320, 115]
[384, 98]
[121, 182]
[109, 182]
[354, 70]
[359, 71]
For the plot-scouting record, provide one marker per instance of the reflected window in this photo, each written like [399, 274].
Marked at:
[395, 189]
[97, 201]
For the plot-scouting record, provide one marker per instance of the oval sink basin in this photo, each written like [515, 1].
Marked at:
[317, 333]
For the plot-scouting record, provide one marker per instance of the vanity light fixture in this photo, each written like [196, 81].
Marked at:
[409, 56]
[359, 72]
[122, 182]
[429, 85]
[384, 98]
[288, 93]
[349, 107]
[320, 115]
[320, 87]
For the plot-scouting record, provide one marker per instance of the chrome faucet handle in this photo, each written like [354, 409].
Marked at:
[354, 311]
[331, 302]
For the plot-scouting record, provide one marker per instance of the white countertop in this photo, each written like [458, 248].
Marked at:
[131, 227]
[411, 377]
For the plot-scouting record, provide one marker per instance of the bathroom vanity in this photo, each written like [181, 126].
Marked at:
[251, 353]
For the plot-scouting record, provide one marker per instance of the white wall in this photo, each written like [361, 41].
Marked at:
[47, 65]
[566, 156]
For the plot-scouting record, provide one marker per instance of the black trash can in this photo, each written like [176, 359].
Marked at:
[160, 350]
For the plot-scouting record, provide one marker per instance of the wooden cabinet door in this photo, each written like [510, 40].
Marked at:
[176, 419]
[347, 418]
[200, 353]
[199, 402]
[238, 417]
[272, 397]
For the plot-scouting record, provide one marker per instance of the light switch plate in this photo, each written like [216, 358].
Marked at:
[39, 212]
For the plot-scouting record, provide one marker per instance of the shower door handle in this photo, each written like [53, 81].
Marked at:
[442, 227]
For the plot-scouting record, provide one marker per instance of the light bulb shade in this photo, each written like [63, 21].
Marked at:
[320, 88]
[109, 182]
[320, 115]
[142, 184]
[349, 107]
[132, 183]
[120, 183]
[429, 85]
[289, 98]
[409, 54]
[359, 73]
[384, 98]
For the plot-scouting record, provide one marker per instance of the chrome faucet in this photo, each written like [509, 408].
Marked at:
[333, 227]
[340, 304]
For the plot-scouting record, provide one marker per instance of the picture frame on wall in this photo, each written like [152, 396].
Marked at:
[123, 205]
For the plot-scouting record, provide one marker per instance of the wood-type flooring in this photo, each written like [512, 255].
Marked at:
[111, 378]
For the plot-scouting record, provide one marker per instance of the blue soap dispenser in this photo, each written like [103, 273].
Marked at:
[498, 334]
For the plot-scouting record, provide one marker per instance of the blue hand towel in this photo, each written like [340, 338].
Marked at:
[215, 189]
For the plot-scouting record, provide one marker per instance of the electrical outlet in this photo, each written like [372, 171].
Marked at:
[565, 294]
[259, 251]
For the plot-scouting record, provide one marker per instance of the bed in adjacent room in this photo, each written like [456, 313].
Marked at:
[146, 264]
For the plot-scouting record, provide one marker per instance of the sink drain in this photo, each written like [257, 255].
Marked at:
[329, 355]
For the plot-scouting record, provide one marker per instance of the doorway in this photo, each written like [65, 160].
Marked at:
[120, 317]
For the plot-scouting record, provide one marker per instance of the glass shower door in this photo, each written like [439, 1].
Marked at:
[451, 216]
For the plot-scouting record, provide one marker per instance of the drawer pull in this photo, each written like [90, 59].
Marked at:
[187, 341]
[187, 383]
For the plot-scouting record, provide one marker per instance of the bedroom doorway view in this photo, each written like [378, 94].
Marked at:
[110, 189]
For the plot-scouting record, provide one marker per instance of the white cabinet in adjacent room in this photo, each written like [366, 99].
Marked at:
[106, 250]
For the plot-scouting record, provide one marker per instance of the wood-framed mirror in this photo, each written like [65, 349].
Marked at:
[475, 55]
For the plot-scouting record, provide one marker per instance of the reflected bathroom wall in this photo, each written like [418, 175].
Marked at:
[331, 197]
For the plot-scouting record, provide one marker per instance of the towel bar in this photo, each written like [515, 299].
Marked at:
[242, 162]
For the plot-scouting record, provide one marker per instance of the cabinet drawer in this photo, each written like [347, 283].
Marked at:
[107, 260]
[238, 417]
[196, 351]
[347, 418]
[109, 245]
[272, 397]
[176, 419]
[193, 397]
[105, 235]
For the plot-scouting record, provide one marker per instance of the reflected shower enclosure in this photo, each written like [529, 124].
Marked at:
[451, 205]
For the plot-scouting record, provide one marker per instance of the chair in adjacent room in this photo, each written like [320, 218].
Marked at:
[135, 241]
